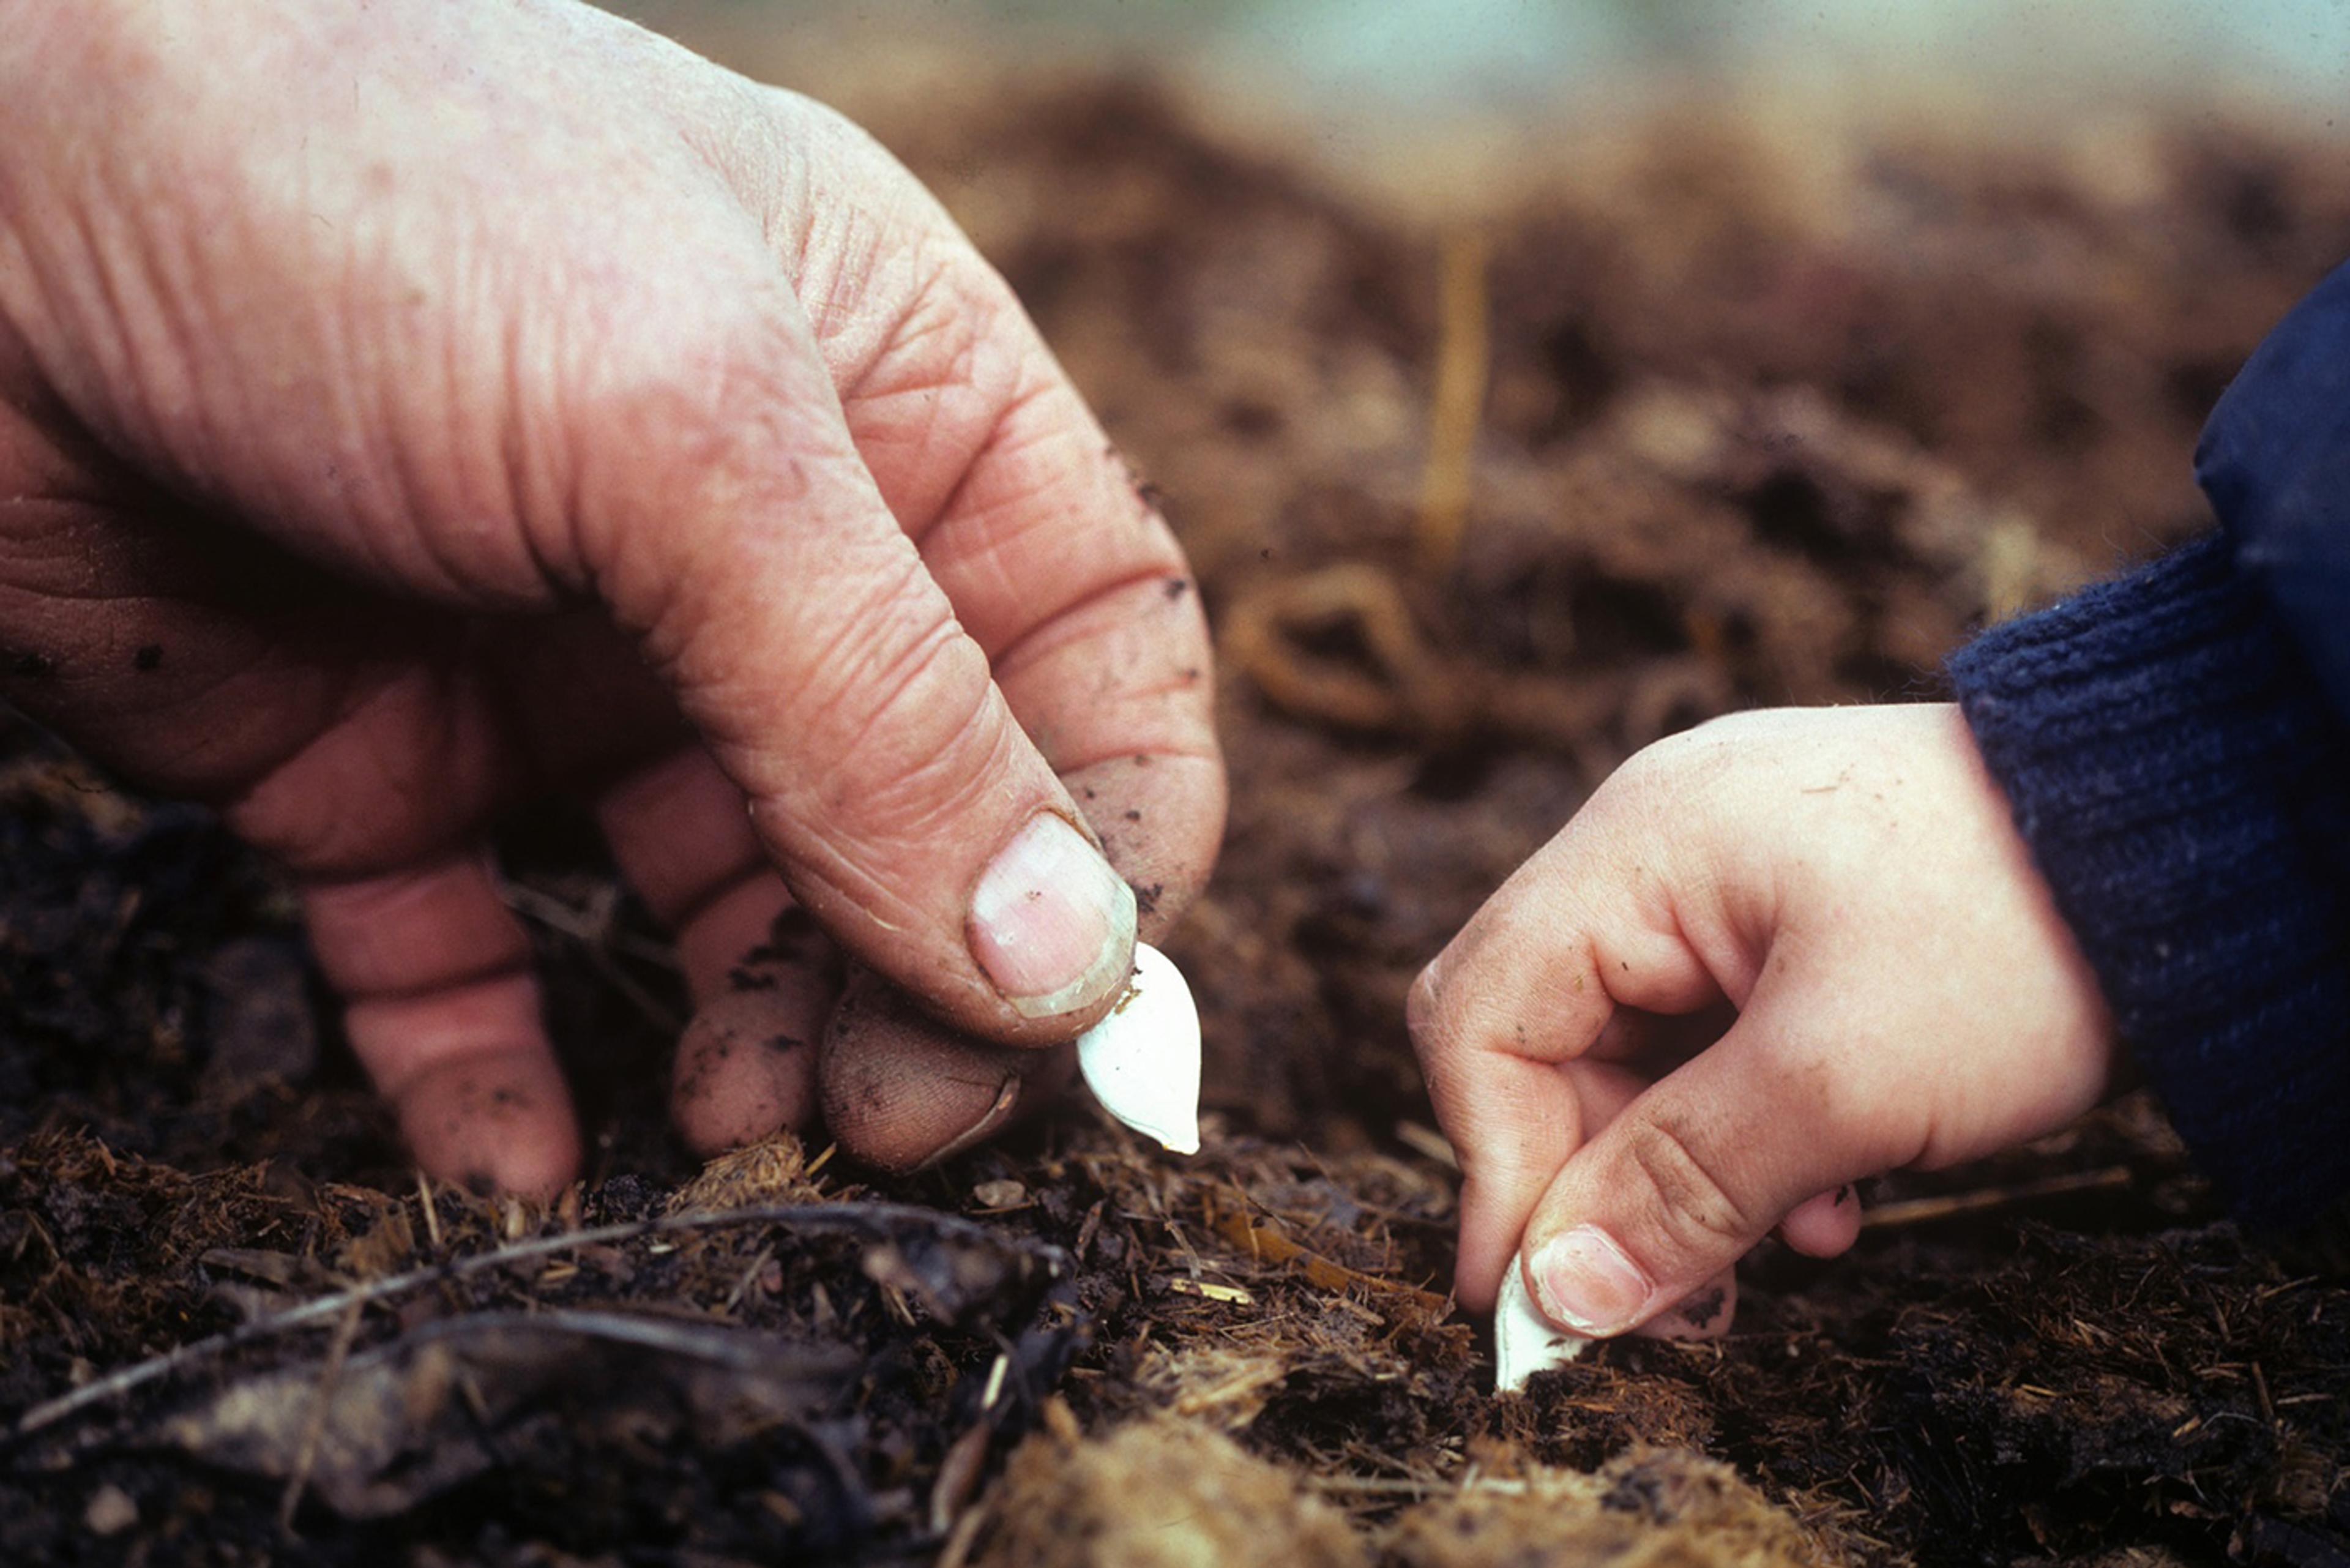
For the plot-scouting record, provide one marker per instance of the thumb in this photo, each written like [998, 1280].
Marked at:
[828, 674]
[1697, 1168]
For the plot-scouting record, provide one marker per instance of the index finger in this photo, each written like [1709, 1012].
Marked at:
[1056, 563]
[1578, 931]
[1068, 579]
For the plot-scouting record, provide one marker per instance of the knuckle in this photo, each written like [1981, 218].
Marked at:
[699, 411]
[1445, 1045]
[816, 127]
[1696, 1209]
[914, 742]
[1685, 761]
[894, 667]
[709, 411]
[1423, 1007]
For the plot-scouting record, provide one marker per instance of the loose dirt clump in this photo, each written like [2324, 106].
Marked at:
[1160, 1494]
[1644, 1509]
[1479, 505]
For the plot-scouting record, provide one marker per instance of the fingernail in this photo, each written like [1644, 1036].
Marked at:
[1050, 923]
[1587, 1283]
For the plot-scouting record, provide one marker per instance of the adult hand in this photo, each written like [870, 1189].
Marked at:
[406, 408]
[1774, 955]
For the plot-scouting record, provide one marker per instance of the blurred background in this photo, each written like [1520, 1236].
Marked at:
[1354, 58]
[1530, 378]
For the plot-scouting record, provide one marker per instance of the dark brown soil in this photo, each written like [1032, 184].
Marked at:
[1758, 427]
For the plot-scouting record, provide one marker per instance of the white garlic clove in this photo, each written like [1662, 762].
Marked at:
[1525, 1342]
[1142, 1062]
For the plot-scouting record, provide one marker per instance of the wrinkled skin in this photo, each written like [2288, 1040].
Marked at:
[409, 408]
[1769, 957]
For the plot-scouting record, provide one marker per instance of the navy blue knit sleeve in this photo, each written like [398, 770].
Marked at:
[2275, 461]
[2175, 747]
[2165, 753]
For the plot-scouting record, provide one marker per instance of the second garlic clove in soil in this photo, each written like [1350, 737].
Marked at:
[1142, 1062]
[1525, 1342]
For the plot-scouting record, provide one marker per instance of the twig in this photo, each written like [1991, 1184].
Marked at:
[720, 1344]
[556, 916]
[2009, 563]
[314, 1427]
[965, 1534]
[742, 1286]
[1401, 683]
[851, 1216]
[1427, 1142]
[1919, 1211]
[958, 1475]
[424, 1196]
[1458, 400]
[1256, 640]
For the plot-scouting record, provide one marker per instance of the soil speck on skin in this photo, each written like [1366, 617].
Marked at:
[1700, 1308]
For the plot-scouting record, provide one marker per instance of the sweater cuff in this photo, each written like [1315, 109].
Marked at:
[2182, 785]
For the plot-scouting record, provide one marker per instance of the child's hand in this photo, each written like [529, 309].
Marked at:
[1888, 985]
